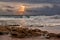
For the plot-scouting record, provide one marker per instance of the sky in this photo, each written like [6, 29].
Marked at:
[33, 7]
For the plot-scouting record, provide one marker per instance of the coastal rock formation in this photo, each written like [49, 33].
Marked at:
[23, 32]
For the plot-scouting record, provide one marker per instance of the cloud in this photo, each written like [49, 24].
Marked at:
[31, 9]
[7, 8]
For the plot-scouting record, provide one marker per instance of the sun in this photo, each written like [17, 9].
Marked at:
[21, 9]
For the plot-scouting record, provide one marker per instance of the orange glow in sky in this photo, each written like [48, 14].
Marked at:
[21, 10]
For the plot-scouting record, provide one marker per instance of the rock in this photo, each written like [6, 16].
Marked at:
[34, 32]
[51, 35]
[44, 33]
[58, 35]
[21, 35]
[19, 32]
[13, 35]
[25, 32]
[1, 33]
[47, 37]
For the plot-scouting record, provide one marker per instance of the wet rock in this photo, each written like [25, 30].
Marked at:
[25, 32]
[4, 33]
[51, 35]
[45, 32]
[36, 30]
[19, 32]
[58, 35]
[1, 33]
[13, 35]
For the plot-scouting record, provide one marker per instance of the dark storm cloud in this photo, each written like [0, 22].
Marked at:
[33, 1]
[55, 10]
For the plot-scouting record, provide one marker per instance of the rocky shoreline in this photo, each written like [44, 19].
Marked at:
[23, 32]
